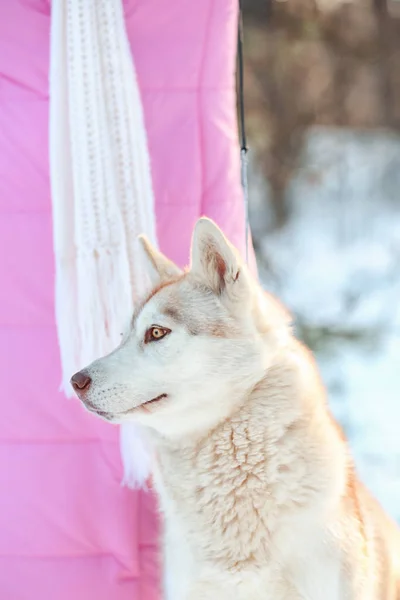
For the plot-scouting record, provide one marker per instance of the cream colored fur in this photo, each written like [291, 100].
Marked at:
[256, 485]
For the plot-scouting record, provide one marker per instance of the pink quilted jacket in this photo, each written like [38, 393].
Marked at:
[68, 530]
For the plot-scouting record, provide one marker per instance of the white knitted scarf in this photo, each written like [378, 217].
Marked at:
[101, 189]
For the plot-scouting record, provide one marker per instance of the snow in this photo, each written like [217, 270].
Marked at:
[336, 265]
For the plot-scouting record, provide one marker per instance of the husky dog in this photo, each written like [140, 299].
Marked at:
[258, 491]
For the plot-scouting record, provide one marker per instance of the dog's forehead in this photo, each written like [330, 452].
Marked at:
[187, 304]
[163, 300]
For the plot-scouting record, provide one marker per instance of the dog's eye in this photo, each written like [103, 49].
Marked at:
[155, 333]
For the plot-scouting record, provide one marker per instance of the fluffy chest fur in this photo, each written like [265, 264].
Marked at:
[243, 501]
[240, 485]
[218, 493]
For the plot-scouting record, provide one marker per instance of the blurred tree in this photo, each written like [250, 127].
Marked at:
[316, 62]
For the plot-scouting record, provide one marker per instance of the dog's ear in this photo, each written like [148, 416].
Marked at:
[217, 262]
[160, 267]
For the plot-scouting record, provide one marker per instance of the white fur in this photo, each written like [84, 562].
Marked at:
[259, 495]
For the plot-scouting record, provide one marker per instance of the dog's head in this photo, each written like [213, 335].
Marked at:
[199, 342]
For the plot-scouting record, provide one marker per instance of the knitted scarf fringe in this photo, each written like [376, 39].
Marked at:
[102, 195]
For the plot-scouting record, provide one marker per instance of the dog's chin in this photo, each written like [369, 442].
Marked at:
[105, 416]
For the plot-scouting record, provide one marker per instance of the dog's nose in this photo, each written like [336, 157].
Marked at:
[81, 381]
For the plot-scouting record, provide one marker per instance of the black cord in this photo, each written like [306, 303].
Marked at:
[243, 140]
[240, 92]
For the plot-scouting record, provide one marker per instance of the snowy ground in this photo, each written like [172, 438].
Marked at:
[336, 264]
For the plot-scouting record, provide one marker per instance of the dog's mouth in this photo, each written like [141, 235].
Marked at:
[150, 403]
[147, 406]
